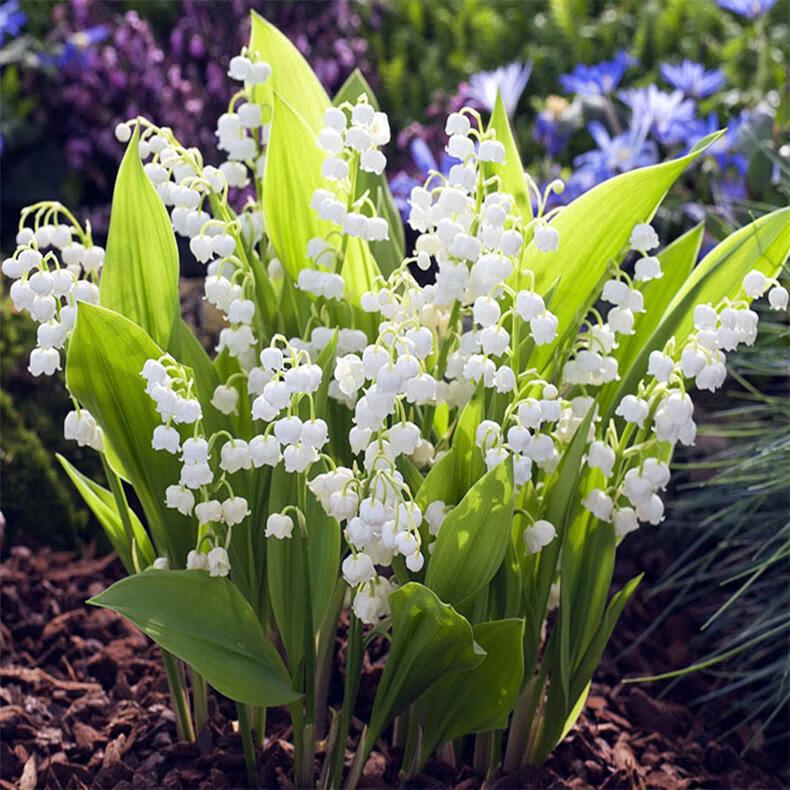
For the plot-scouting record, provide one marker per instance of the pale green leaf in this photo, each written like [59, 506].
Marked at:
[105, 357]
[291, 78]
[103, 506]
[511, 171]
[140, 275]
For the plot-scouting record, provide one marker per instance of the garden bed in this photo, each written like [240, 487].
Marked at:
[85, 704]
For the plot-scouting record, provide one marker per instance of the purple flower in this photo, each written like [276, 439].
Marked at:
[692, 79]
[668, 116]
[751, 9]
[600, 79]
[618, 154]
[12, 19]
[509, 81]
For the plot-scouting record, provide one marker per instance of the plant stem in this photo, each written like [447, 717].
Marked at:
[199, 699]
[326, 642]
[247, 744]
[178, 694]
[410, 758]
[259, 725]
[353, 663]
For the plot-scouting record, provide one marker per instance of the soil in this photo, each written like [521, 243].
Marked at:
[85, 704]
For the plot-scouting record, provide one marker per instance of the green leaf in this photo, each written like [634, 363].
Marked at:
[103, 506]
[288, 591]
[593, 230]
[587, 563]
[429, 639]
[761, 245]
[140, 275]
[105, 357]
[511, 171]
[292, 78]
[388, 254]
[293, 173]
[477, 699]
[208, 623]
[473, 538]
[560, 707]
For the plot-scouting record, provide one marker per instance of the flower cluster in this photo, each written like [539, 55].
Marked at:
[352, 135]
[631, 496]
[55, 265]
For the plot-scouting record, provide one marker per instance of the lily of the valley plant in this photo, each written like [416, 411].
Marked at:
[454, 462]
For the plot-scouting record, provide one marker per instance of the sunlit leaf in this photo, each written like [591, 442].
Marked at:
[206, 622]
[140, 275]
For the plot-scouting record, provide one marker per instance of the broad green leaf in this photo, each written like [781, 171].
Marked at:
[208, 623]
[761, 245]
[103, 506]
[477, 699]
[473, 538]
[511, 171]
[293, 173]
[105, 357]
[292, 78]
[388, 254]
[429, 639]
[140, 275]
[593, 229]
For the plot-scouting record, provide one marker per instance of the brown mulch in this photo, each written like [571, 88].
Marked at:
[85, 704]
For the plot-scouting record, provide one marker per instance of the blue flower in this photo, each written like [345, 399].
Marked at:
[554, 125]
[12, 20]
[509, 81]
[692, 79]
[727, 149]
[599, 79]
[618, 154]
[751, 9]
[668, 116]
